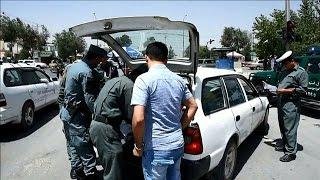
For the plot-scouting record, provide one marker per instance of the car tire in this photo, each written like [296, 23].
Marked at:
[226, 168]
[263, 128]
[27, 116]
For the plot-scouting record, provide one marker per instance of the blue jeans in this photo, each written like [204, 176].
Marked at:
[162, 165]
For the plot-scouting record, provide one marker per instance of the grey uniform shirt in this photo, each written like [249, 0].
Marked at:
[296, 78]
[113, 102]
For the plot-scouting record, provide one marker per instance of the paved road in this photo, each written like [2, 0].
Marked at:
[39, 153]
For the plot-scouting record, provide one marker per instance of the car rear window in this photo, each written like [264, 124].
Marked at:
[12, 78]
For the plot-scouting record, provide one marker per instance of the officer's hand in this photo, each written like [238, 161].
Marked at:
[285, 91]
[137, 152]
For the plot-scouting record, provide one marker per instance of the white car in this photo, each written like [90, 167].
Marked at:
[230, 108]
[255, 65]
[34, 63]
[24, 90]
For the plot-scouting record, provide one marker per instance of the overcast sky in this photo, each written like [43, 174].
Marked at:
[210, 17]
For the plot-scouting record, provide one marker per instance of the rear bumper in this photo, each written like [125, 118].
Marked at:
[7, 117]
[191, 170]
[310, 103]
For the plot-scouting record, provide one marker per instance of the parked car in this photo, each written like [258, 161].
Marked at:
[311, 63]
[230, 108]
[255, 65]
[23, 91]
[33, 63]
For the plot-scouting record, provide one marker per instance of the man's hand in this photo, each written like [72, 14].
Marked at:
[137, 152]
[189, 112]
[285, 91]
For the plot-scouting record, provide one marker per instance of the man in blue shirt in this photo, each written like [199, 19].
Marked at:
[81, 90]
[158, 119]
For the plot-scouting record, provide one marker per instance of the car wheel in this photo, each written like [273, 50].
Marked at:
[27, 116]
[226, 167]
[263, 128]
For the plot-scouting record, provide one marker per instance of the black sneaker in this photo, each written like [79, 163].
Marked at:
[288, 157]
[77, 173]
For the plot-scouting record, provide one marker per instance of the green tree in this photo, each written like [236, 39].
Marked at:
[68, 44]
[171, 53]
[269, 34]
[148, 41]
[15, 31]
[236, 38]
[124, 40]
[307, 26]
[24, 54]
[204, 52]
[9, 31]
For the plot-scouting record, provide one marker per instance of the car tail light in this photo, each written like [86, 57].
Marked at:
[192, 140]
[3, 101]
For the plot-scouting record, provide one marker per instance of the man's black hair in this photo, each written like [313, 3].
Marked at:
[157, 51]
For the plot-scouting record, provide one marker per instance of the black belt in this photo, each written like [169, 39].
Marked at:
[103, 119]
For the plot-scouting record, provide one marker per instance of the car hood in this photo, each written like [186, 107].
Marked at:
[102, 29]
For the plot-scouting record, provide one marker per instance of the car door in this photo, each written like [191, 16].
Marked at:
[254, 101]
[33, 85]
[218, 125]
[50, 91]
[241, 110]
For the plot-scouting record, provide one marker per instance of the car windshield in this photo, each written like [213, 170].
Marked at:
[135, 42]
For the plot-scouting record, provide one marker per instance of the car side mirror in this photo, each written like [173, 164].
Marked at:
[44, 80]
[54, 79]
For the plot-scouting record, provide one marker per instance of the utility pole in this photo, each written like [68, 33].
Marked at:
[287, 8]
[95, 18]
[183, 35]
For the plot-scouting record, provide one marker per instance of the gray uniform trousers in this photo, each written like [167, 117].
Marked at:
[78, 130]
[71, 151]
[109, 146]
[289, 117]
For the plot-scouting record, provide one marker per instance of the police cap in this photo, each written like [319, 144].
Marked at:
[97, 50]
[286, 56]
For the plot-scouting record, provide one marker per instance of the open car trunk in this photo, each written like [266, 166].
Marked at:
[181, 38]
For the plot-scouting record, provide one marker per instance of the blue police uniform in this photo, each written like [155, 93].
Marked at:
[81, 90]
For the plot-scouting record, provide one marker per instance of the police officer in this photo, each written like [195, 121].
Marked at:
[76, 164]
[292, 85]
[111, 107]
[81, 90]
